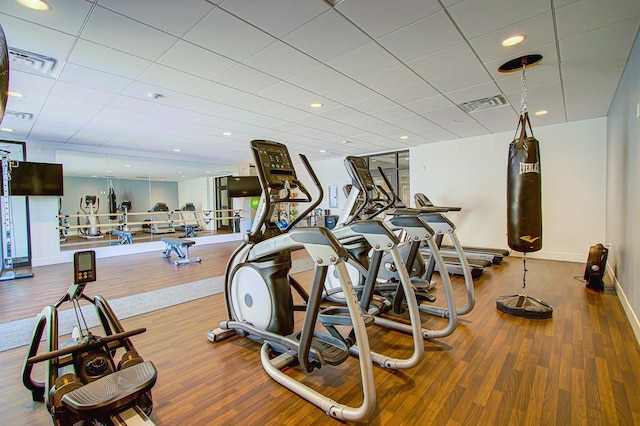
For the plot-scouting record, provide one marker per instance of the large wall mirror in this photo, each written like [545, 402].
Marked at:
[113, 199]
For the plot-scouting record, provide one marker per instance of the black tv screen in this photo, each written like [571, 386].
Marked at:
[28, 178]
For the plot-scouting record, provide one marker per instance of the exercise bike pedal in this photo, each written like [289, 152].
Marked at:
[424, 296]
[339, 315]
[422, 284]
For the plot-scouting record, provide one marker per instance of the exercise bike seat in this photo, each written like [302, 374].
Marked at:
[109, 394]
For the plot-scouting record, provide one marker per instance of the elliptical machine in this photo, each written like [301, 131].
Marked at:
[83, 383]
[90, 209]
[258, 290]
[383, 293]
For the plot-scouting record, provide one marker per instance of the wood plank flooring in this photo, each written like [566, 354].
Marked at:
[581, 367]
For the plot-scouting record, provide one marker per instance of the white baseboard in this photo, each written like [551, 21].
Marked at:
[631, 315]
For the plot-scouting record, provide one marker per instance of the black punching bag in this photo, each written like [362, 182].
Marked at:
[524, 196]
[524, 217]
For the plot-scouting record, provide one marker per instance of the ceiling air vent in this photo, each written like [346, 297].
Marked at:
[32, 62]
[484, 103]
[19, 115]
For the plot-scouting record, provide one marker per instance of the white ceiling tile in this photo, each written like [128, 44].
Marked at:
[368, 123]
[439, 134]
[74, 91]
[142, 90]
[461, 79]
[247, 78]
[270, 17]
[467, 130]
[121, 33]
[285, 93]
[500, 119]
[91, 78]
[349, 93]
[166, 15]
[217, 28]
[548, 97]
[55, 109]
[364, 61]
[392, 114]
[422, 38]
[483, 16]
[198, 105]
[134, 104]
[28, 83]
[340, 113]
[585, 88]
[36, 39]
[338, 36]
[538, 29]
[473, 93]
[586, 15]
[320, 79]
[67, 16]
[445, 61]
[258, 104]
[220, 93]
[447, 116]
[169, 78]
[101, 58]
[281, 60]
[610, 44]
[196, 60]
[412, 93]
[381, 17]
[375, 103]
[392, 80]
[429, 104]
[287, 113]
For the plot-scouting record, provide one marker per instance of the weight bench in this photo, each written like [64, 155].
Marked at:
[124, 237]
[177, 247]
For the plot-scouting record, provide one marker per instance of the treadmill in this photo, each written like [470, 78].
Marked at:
[493, 255]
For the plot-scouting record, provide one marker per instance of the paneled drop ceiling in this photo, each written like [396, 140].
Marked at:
[389, 74]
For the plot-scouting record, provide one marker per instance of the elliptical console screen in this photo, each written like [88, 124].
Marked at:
[274, 159]
[84, 266]
[359, 171]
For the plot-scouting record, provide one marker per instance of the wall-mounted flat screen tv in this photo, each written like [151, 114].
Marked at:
[29, 178]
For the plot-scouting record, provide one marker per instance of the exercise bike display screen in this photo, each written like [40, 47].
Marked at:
[274, 159]
[84, 266]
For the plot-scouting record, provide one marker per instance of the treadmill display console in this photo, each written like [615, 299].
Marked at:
[358, 166]
[84, 266]
[275, 161]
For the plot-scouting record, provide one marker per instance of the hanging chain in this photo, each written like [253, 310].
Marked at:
[524, 275]
[523, 98]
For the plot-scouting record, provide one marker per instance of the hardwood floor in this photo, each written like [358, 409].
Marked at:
[581, 367]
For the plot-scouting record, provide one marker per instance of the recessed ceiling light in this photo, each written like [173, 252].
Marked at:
[127, 165]
[226, 133]
[15, 94]
[541, 112]
[513, 40]
[109, 171]
[35, 4]
[403, 137]
[316, 105]
[176, 150]
[6, 129]
[207, 171]
[322, 151]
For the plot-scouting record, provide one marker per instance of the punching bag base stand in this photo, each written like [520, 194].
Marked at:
[523, 306]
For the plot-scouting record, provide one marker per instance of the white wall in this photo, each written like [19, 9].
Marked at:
[471, 173]
[623, 181]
